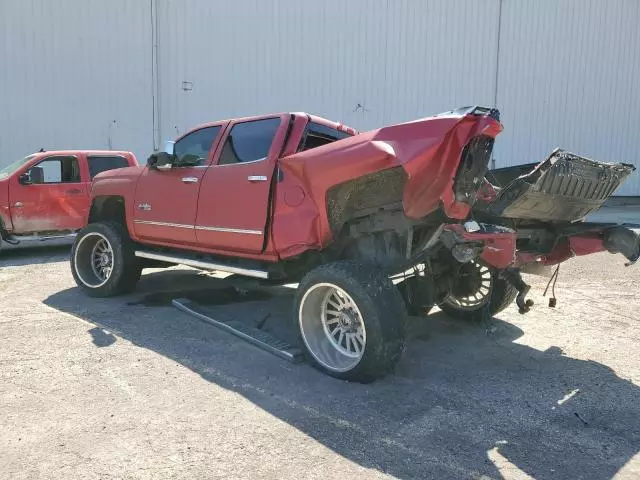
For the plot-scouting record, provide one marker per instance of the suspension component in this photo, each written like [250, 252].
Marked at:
[513, 276]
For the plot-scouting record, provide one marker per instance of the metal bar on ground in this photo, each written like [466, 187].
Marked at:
[256, 337]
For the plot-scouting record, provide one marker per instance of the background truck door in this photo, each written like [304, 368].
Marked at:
[234, 197]
[56, 199]
[166, 201]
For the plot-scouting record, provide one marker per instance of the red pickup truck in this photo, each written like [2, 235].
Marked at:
[46, 195]
[371, 225]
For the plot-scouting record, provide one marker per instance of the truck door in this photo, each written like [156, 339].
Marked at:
[166, 201]
[53, 197]
[234, 196]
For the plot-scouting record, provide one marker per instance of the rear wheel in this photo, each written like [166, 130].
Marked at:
[350, 320]
[477, 290]
[103, 263]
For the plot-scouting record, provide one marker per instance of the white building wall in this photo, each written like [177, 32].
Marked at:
[400, 60]
[563, 72]
[68, 70]
[569, 76]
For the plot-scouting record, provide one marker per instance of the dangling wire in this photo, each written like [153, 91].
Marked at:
[554, 279]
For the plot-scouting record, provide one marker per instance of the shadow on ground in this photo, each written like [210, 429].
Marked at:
[33, 253]
[460, 404]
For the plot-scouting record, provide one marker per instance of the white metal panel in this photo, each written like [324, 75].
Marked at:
[399, 59]
[74, 74]
[569, 74]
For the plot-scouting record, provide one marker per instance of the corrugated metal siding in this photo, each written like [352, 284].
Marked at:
[68, 69]
[400, 59]
[569, 77]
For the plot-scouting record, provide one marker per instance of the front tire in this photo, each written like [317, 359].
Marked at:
[103, 263]
[350, 321]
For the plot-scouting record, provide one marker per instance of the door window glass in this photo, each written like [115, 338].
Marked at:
[249, 141]
[55, 170]
[193, 149]
[102, 164]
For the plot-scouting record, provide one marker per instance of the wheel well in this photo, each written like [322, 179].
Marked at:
[109, 208]
[363, 196]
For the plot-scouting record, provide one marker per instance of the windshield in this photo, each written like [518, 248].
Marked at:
[12, 167]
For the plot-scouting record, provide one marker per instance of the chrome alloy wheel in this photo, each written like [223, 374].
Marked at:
[332, 327]
[473, 287]
[94, 260]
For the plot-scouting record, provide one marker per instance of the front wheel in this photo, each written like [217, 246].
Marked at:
[477, 290]
[103, 263]
[350, 320]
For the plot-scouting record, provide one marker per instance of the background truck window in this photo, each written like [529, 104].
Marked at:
[249, 141]
[56, 170]
[102, 164]
[193, 148]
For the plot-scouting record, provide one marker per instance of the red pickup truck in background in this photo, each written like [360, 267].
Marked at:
[46, 195]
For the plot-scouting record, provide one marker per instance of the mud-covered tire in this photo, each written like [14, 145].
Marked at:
[379, 308]
[125, 268]
[502, 294]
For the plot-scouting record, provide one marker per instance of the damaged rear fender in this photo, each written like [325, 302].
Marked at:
[420, 162]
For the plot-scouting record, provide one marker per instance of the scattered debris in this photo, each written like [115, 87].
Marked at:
[568, 396]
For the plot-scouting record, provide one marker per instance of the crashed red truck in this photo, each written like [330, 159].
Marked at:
[372, 225]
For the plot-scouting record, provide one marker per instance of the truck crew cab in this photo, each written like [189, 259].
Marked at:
[371, 225]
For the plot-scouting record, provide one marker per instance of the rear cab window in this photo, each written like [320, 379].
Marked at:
[102, 163]
[317, 135]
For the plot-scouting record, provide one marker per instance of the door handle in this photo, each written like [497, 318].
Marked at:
[257, 178]
[74, 191]
[18, 204]
[190, 179]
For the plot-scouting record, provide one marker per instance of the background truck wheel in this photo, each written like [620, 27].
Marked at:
[350, 319]
[103, 263]
[475, 288]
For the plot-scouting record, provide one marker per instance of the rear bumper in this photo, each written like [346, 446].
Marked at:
[497, 246]
[604, 237]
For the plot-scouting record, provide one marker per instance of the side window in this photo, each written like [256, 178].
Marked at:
[318, 135]
[249, 141]
[102, 164]
[55, 170]
[193, 149]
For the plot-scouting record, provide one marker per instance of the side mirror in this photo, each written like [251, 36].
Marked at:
[168, 147]
[161, 161]
[24, 179]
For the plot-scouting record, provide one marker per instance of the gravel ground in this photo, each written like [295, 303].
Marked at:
[132, 388]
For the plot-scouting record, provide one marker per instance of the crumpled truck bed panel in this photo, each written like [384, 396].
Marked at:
[564, 187]
[428, 150]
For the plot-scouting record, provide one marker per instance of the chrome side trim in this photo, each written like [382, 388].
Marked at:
[229, 230]
[239, 163]
[199, 227]
[162, 224]
[247, 272]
